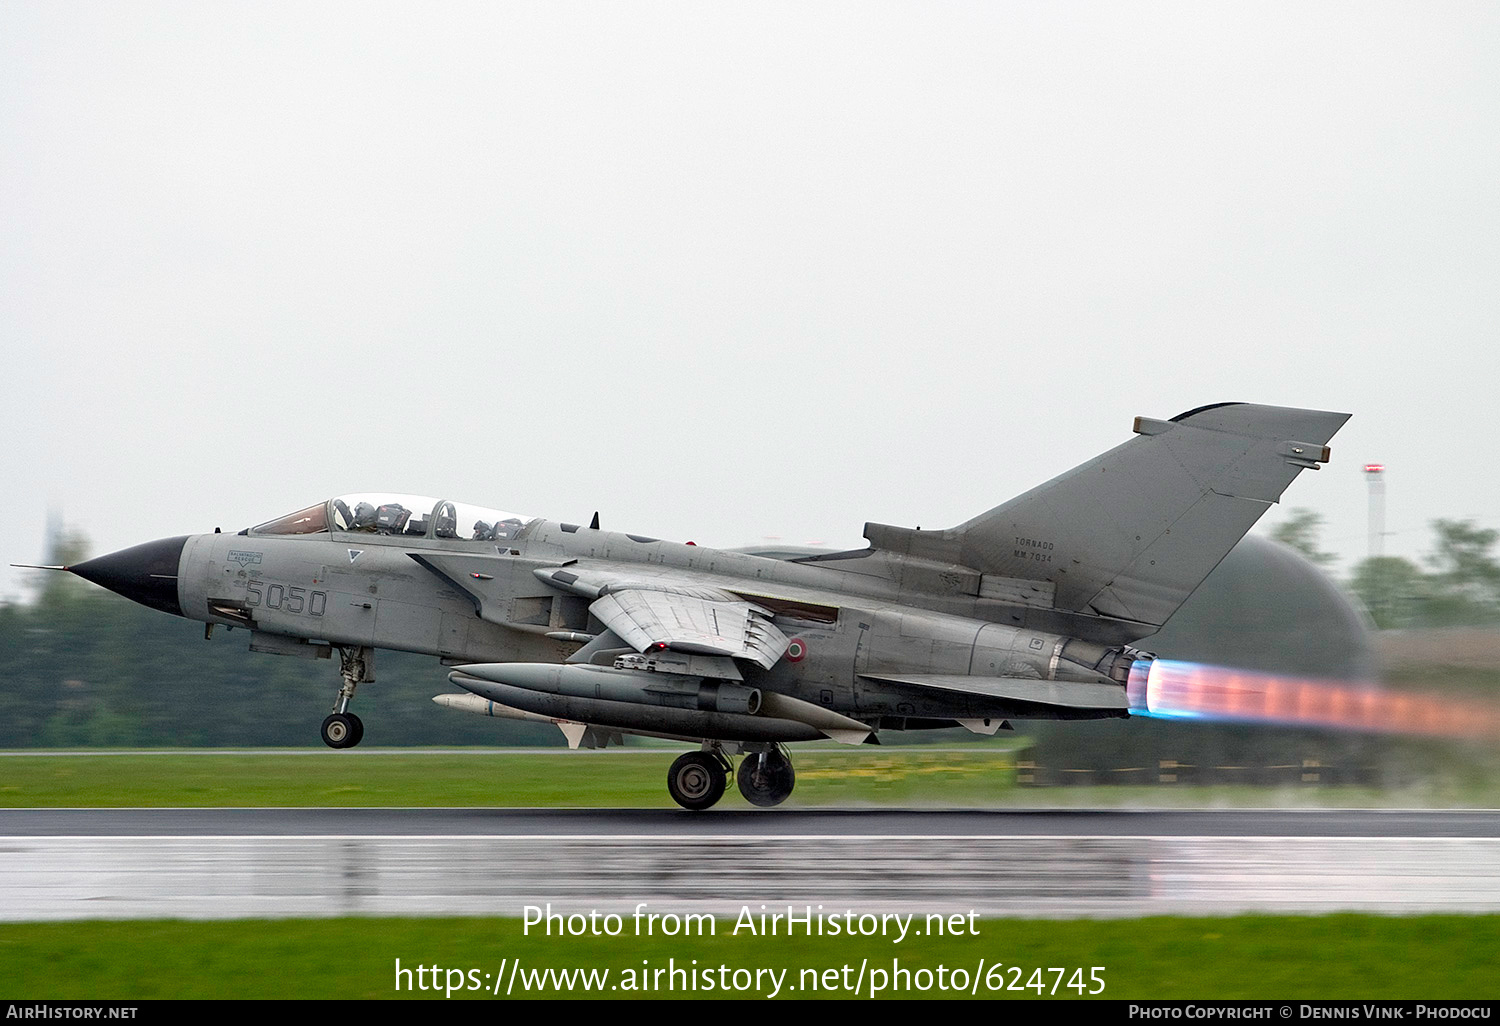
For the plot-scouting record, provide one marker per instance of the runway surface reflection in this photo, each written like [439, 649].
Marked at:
[52, 866]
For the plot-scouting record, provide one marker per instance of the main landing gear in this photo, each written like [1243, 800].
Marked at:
[343, 729]
[766, 778]
[698, 780]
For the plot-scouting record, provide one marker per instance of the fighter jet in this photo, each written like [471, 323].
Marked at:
[1030, 610]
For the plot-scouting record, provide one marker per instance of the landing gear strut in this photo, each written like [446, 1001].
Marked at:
[766, 777]
[697, 780]
[343, 729]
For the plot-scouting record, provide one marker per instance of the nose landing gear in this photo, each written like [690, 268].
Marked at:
[343, 729]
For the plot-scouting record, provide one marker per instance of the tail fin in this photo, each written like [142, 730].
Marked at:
[1131, 533]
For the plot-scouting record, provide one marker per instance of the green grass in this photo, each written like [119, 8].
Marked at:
[552, 778]
[1283, 958]
[932, 776]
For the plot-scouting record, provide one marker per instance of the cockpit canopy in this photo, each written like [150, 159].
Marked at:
[405, 515]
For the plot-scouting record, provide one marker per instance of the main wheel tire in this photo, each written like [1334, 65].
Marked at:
[766, 778]
[359, 729]
[696, 780]
[339, 731]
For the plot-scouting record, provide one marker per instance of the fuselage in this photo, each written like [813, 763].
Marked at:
[1027, 610]
[486, 600]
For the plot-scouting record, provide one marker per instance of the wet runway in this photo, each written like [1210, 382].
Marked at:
[757, 823]
[211, 863]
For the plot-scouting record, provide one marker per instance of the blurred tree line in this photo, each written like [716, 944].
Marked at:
[80, 666]
[1459, 587]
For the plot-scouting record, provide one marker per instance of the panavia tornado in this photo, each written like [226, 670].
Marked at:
[1029, 611]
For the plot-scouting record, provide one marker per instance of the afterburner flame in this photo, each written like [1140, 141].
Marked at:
[1169, 689]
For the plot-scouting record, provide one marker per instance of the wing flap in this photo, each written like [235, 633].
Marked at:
[649, 620]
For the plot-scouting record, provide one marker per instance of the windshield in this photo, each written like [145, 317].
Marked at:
[312, 520]
[405, 515]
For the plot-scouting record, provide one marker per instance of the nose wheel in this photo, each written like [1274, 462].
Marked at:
[343, 730]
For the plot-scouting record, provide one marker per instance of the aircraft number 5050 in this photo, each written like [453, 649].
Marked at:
[291, 600]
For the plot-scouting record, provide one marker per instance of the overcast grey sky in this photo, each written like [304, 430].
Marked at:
[729, 271]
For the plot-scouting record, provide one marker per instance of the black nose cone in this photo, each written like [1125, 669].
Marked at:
[146, 573]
